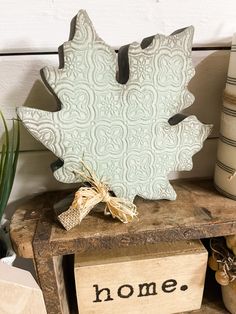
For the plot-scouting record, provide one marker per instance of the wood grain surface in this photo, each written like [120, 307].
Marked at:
[199, 212]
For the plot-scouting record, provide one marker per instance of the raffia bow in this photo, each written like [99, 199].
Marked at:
[88, 197]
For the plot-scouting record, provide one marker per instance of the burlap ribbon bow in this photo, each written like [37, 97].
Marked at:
[88, 197]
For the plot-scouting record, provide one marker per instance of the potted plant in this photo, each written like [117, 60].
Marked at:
[8, 162]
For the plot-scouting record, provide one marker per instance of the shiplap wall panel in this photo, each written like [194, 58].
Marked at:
[21, 85]
[34, 25]
[35, 176]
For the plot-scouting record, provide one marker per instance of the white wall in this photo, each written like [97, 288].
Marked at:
[31, 30]
[42, 25]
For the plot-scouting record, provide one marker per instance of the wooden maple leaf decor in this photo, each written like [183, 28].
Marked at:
[121, 130]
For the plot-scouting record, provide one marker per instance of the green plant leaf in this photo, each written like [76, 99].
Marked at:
[8, 162]
[16, 135]
[6, 129]
[3, 154]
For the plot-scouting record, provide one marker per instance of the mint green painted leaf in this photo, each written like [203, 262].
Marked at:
[121, 131]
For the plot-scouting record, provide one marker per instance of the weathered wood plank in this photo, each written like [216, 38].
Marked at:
[53, 291]
[49, 270]
[21, 85]
[44, 25]
[24, 223]
[198, 212]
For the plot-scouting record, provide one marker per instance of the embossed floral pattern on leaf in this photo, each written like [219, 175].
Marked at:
[109, 106]
[142, 69]
[171, 74]
[121, 130]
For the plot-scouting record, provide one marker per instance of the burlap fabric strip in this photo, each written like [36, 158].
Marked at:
[86, 198]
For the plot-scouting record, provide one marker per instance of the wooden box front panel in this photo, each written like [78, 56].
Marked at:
[159, 278]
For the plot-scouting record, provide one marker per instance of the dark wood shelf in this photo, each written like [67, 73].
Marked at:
[199, 212]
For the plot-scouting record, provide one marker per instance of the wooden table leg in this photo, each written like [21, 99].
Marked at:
[49, 268]
[51, 281]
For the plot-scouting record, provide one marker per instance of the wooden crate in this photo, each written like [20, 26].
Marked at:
[199, 212]
[154, 278]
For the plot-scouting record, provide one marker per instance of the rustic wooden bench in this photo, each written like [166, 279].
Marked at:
[199, 212]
